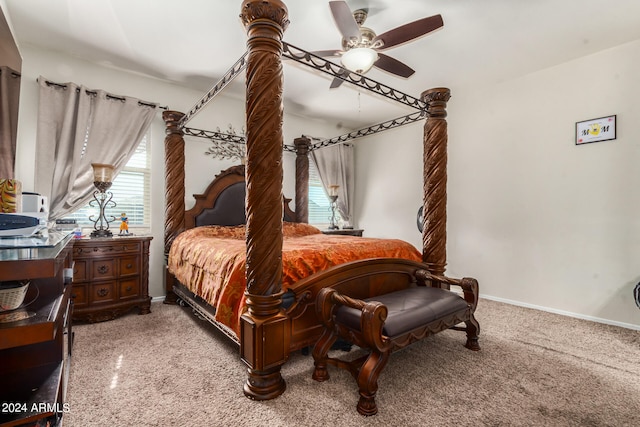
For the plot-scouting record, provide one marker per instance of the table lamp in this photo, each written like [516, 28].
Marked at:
[102, 179]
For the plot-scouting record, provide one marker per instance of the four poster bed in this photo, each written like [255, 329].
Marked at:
[208, 261]
[251, 265]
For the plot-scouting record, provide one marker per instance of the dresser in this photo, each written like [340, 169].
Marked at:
[36, 338]
[110, 277]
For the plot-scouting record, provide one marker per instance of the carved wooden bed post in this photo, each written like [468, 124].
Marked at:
[174, 184]
[434, 230]
[264, 322]
[303, 144]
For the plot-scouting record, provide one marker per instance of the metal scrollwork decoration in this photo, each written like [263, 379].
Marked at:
[227, 145]
[420, 219]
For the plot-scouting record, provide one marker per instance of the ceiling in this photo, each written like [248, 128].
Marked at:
[482, 42]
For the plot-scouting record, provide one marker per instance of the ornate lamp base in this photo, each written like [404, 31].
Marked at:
[333, 207]
[102, 199]
[101, 233]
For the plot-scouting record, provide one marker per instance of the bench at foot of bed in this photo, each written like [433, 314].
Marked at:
[389, 322]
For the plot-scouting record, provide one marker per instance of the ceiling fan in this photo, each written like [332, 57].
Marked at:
[361, 47]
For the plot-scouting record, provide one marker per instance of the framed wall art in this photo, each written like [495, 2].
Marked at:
[596, 130]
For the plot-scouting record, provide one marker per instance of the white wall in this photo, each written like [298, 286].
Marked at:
[389, 183]
[200, 168]
[536, 219]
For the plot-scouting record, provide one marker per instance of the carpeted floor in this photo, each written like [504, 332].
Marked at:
[169, 368]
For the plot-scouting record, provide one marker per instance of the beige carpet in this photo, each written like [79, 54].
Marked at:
[535, 369]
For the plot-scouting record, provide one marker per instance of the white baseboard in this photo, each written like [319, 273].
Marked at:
[562, 312]
[157, 299]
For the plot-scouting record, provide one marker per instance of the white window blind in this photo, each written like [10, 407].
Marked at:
[319, 204]
[131, 193]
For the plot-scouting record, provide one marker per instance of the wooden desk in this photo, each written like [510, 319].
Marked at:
[35, 352]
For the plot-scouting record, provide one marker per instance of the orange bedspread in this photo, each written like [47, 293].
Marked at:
[210, 261]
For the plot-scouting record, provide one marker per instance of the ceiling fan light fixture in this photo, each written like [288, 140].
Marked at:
[359, 59]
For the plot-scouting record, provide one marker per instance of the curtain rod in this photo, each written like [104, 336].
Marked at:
[92, 92]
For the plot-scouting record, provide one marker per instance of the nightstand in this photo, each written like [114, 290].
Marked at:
[110, 277]
[345, 232]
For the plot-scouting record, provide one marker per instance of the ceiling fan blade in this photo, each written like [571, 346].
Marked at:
[407, 32]
[345, 22]
[326, 53]
[393, 66]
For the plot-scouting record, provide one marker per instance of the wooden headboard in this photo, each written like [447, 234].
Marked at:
[223, 202]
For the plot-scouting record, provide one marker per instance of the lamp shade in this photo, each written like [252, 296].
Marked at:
[359, 59]
[102, 172]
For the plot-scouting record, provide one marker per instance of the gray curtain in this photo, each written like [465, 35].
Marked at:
[9, 95]
[335, 166]
[79, 126]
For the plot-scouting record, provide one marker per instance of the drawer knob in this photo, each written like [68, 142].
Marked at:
[103, 292]
[129, 288]
[129, 265]
[103, 269]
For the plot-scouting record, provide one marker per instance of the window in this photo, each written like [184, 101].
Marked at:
[131, 192]
[319, 204]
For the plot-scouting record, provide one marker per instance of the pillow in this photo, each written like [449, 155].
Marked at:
[289, 229]
[222, 231]
[298, 229]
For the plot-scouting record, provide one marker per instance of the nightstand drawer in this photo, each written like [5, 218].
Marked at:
[129, 288]
[102, 292]
[79, 270]
[99, 247]
[79, 295]
[123, 247]
[129, 265]
[103, 269]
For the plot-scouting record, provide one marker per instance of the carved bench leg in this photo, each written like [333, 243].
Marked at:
[320, 351]
[473, 329]
[368, 381]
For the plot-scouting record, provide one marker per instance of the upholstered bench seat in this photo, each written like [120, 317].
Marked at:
[391, 321]
[407, 309]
